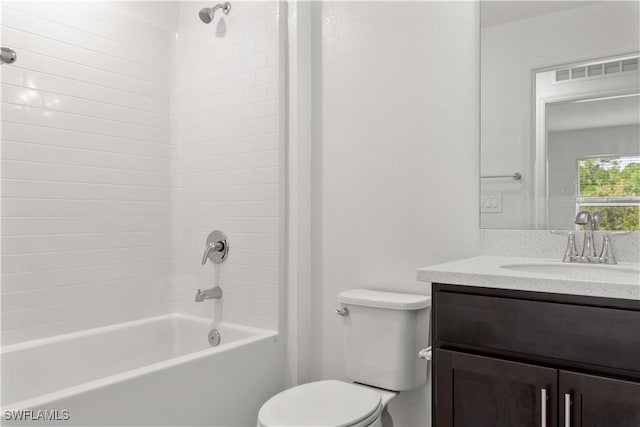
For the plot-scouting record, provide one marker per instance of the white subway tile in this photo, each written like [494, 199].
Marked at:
[30, 61]
[12, 75]
[120, 156]
[11, 38]
[12, 113]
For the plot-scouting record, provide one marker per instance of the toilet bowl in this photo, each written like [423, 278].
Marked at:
[326, 403]
[382, 334]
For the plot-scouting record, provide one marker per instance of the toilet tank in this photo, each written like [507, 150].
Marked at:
[383, 332]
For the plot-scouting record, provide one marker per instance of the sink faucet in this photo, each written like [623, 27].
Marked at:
[212, 293]
[588, 249]
[591, 223]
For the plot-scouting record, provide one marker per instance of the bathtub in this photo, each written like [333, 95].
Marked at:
[158, 371]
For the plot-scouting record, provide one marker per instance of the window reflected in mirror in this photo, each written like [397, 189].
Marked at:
[611, 185]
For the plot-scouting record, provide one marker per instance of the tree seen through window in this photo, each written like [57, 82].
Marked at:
[611, 185]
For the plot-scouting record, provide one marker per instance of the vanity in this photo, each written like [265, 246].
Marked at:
[527, 340]
[548, 336]
[521, 342]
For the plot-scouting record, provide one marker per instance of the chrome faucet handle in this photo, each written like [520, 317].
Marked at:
[588, 249]
[211, 247]
[344, 311]
[216, 247]
[571, 252]
[607, 255]
[425, 353]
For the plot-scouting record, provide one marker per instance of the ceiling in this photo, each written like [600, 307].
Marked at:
[501, 12]
[593, 114]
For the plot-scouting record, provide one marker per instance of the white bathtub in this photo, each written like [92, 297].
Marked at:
[159, 371]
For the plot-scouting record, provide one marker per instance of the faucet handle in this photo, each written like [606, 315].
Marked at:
[216, 248]
[571, 252]
[607, 255]
[425, 353]
[211, 247]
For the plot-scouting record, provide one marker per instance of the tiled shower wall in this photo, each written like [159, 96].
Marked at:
[226, 143]
[85, 168]
[118, 159]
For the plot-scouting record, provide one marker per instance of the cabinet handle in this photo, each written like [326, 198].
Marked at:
[543, 407]
[567, 410]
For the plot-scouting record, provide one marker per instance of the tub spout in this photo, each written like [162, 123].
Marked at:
[212, 293]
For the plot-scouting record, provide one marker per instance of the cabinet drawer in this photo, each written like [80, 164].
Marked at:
[599, 336]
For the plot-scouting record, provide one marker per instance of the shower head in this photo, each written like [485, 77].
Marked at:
[207, 14]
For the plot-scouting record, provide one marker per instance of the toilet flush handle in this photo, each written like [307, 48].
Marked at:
[344, 311]
[425, 353]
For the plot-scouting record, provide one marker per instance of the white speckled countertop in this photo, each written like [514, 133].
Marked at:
[485, 271]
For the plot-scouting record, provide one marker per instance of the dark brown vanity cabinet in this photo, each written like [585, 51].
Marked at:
[593, 401]
[524, 359]
[488, 392]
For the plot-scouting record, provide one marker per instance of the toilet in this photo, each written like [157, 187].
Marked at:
[382, 332]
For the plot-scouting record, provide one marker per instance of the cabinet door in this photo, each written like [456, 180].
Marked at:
[598, 402]
[476, 391]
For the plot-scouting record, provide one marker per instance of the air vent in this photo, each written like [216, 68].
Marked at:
[596, 70]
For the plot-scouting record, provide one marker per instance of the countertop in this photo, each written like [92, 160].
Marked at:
[485, 271]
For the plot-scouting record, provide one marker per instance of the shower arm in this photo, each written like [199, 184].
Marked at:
[224, 6]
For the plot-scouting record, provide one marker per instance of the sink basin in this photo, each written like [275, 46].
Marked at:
[604, 273]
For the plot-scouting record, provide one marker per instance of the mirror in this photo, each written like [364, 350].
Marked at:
[560, 113]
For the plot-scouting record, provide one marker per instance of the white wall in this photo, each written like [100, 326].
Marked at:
[226, 145]
[509, 54]
[85, 162]
[394, 160]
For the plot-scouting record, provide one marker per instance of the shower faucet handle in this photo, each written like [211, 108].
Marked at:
[212, 247]
[216, 248]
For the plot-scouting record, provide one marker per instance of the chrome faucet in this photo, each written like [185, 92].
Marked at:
[216, 248]
[591, 223]
[588, 249]
[212, 293]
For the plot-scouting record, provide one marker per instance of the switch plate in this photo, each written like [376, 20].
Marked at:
[491, 202]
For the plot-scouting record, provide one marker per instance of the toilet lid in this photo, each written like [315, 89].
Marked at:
[321, 403]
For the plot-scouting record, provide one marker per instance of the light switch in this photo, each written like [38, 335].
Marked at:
[491, 202]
